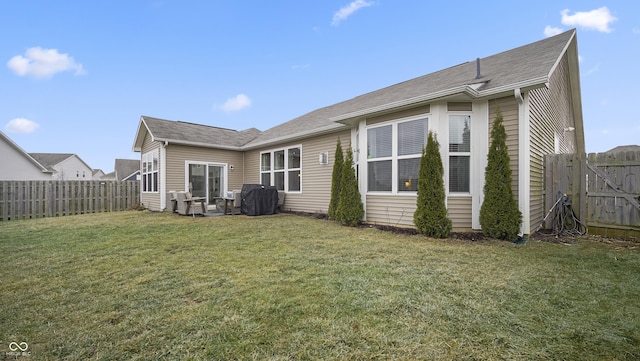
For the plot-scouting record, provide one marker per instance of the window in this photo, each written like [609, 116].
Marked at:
[379, 153]
[411, 141]
[459, 153]
[150, 171]
[282, 168]
[393, 153]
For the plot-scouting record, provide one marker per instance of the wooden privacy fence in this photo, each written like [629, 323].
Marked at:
[605, 188]
[35, 199]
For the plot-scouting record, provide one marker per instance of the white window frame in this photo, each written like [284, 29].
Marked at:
[271, 171]
[395, 157]
[149, 169]
[459, 154]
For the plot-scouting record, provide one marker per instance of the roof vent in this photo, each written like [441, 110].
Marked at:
[478, 75]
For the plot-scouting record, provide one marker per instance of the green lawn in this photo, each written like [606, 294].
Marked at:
[144, 286]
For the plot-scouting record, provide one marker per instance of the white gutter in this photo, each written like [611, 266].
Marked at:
[523, 86]
[422, 98]
[198, 144]
[524, 160]
[163, 175]
[314, 131]
[469, 90]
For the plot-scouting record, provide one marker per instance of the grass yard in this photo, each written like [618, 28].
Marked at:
[144, 286]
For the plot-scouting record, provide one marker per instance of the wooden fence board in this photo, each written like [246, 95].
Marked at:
[35, 199]
[612, 187]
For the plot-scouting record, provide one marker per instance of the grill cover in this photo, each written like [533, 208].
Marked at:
[258, 199]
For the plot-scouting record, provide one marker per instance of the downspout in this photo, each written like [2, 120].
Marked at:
[524, 160]
[362, 161]
[163, 176]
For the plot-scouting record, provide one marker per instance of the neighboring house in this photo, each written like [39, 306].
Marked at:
[536, 87]
[16, 164]
[624, 148]
[125, 170]
[65, 166]
[97, 174]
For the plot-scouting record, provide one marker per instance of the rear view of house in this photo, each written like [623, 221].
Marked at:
[536, 87]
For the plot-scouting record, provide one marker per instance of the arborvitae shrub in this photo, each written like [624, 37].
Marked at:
[350, 209]
[499, 214]
[336, 178]
[430, 216]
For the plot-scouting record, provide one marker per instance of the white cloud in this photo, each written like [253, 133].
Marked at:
[592, 70]
[236, 103]
[598, 19]
[21, 125]
[348, 10]
[300, 66]
[43, 63]
[551, 31]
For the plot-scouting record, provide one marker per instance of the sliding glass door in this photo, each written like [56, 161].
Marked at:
[207, 180]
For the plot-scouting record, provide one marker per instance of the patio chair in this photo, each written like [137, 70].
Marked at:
[281, 195]
[237, 202]
[231, 203]
[187, 205]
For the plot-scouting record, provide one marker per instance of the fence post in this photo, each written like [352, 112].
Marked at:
[579, 186]
[3, 200]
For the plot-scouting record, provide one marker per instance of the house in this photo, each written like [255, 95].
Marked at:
[97, 173]
[64, 166]
[16, 164]
[125, 170]
[536, 87]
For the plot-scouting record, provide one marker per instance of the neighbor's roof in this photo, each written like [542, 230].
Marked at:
[125, 168]
[49, 160]
[192, 134]
[526, 67]
[624, 148]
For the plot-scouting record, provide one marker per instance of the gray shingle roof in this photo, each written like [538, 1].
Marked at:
[198, 134]
[49, 160]
[526, 66]
[530, 63]
[124, 168]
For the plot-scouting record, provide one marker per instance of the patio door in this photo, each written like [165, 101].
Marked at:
[207, 180]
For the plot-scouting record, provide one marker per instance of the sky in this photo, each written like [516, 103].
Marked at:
[77, 75]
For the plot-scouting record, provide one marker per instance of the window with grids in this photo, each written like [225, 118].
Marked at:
[282, 168]
[459, 153]
[393, 155]
[150, 171]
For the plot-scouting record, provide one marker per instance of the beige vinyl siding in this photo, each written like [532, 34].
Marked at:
[509, 108]
[392, 210]
[151, 200]
[252, 166]
[397, 210]
[178, 155]
[316, 177]
[459, 212]
[550, 112]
